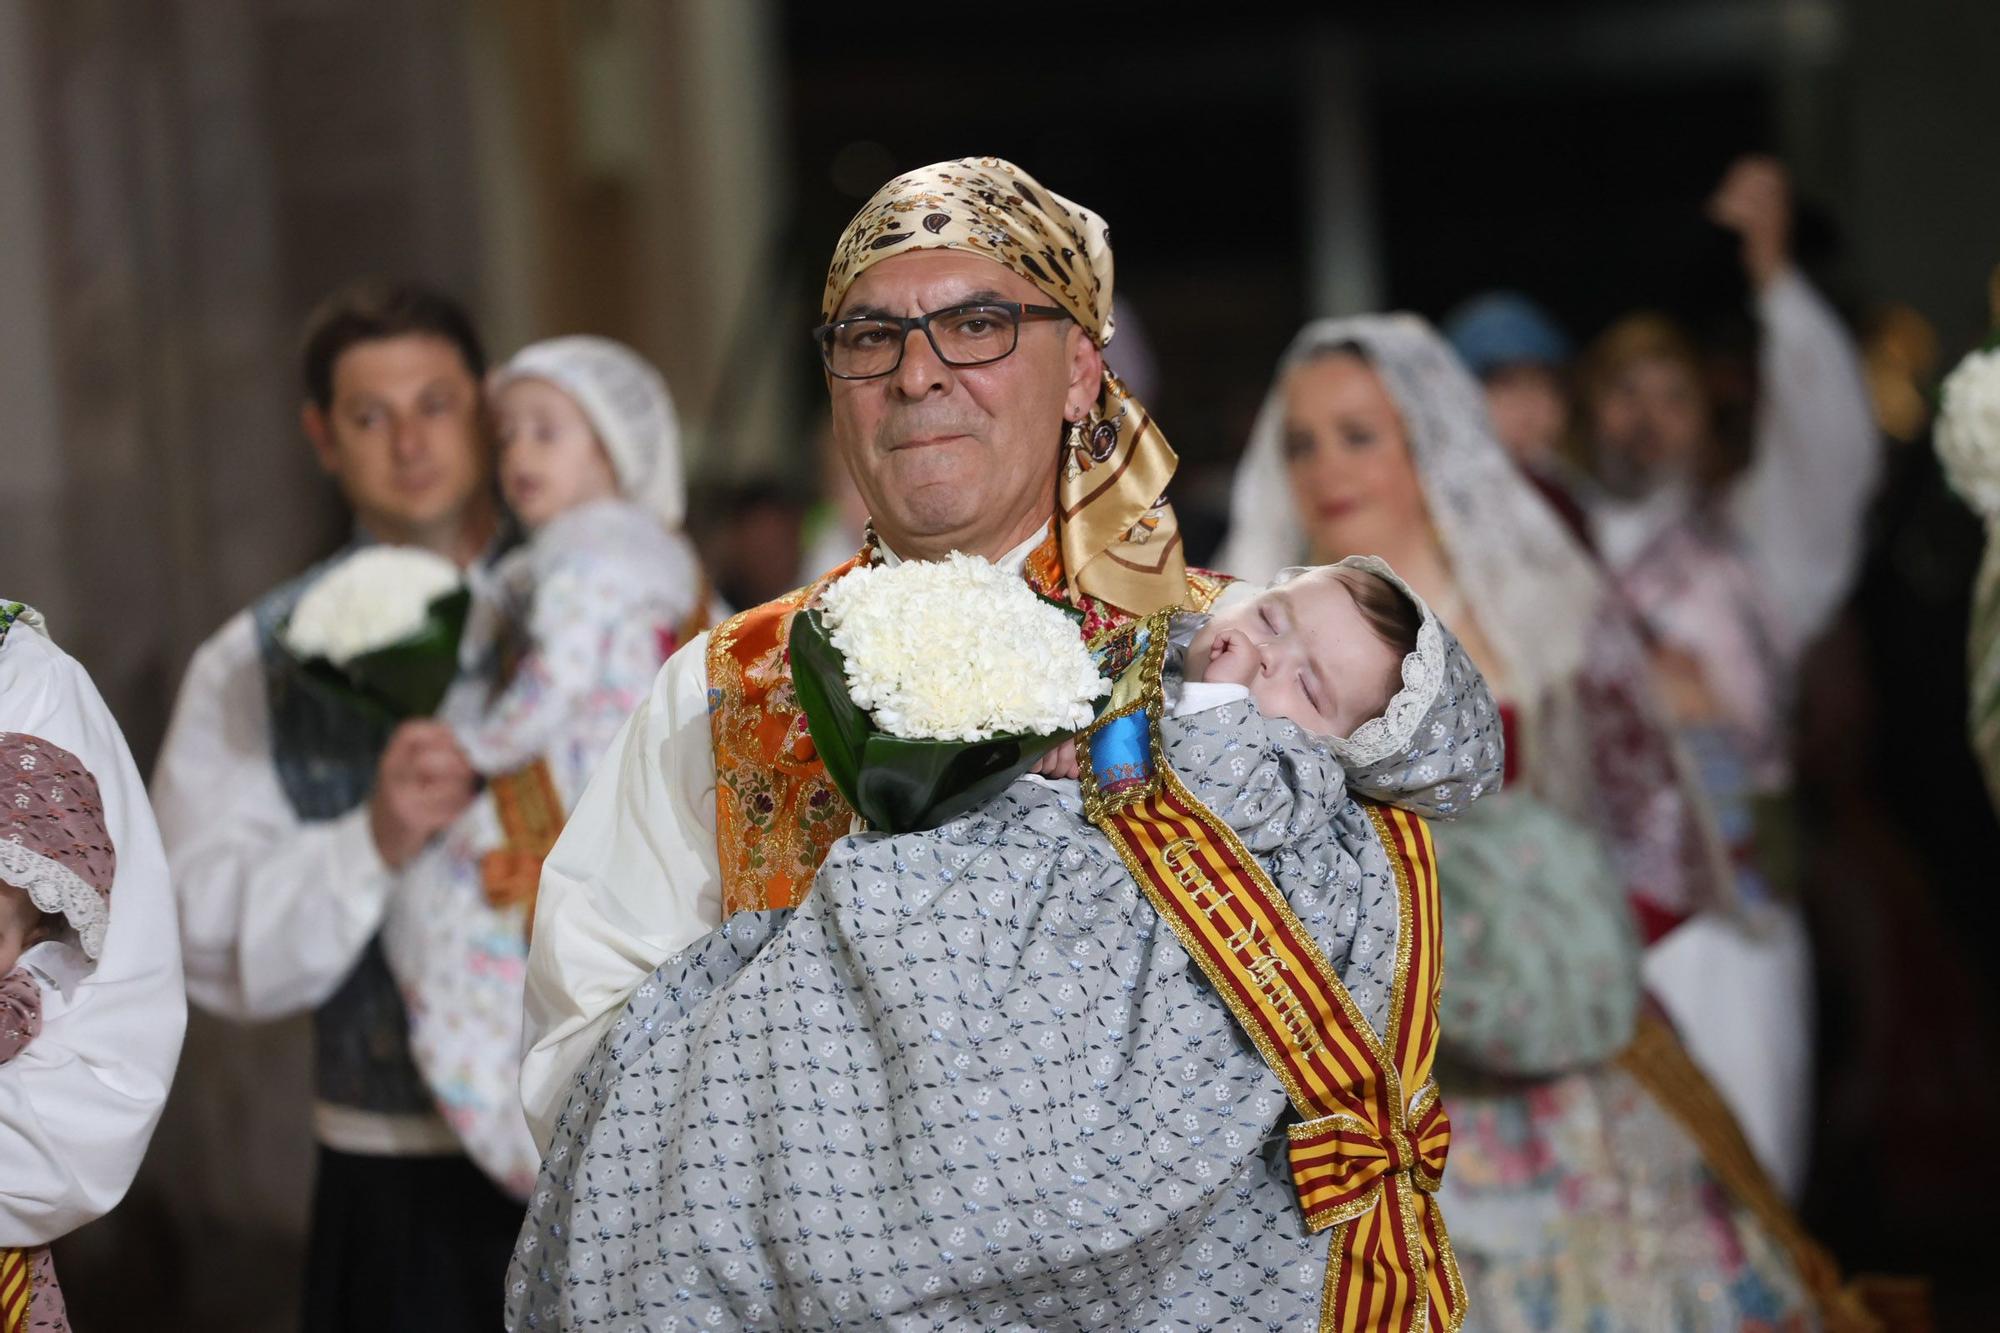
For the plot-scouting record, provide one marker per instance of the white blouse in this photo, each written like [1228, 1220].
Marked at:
[274, 910]
[79, 1103]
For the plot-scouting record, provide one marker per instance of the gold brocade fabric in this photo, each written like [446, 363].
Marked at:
[1119, 536]
[777, 812]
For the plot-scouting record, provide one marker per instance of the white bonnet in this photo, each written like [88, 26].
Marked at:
[628, 405]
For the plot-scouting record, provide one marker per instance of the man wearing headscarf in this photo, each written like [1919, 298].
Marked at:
[964, 320]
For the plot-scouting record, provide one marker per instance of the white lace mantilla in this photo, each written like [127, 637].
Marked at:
[55, 888]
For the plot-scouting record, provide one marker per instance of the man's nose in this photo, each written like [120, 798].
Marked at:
[406, 439]
[921, 372]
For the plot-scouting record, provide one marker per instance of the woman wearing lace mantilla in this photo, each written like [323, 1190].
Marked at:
[1589, 1165]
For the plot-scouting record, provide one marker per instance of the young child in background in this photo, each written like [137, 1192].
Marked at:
[56, 868]
[584, 613]
[606, 586]
[980, 1052]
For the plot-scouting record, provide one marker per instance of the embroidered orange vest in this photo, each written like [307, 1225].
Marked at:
[776, 811]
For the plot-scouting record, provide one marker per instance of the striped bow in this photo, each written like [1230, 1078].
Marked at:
[1339, 1161]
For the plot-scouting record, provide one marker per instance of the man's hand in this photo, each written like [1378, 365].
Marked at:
[1755, 201]
[1059, 762]
[422, 783]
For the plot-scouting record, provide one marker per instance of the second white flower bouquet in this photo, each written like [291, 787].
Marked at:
[379, 631]
[929, 686]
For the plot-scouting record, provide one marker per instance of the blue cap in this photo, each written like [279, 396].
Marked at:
[1499, 329]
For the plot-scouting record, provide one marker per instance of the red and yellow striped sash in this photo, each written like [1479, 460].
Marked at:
[17, 1289]
[1367, 1154]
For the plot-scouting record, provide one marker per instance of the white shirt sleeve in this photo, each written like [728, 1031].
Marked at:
[274, 910]
[1800, 508]
[633, 880]
[79, 1103]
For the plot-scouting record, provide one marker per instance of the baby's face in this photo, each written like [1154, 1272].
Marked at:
[550, 458]
[1305, 652]
[18, 919]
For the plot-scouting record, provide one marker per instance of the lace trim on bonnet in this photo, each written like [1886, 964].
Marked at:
[42, 773]
[56, 889]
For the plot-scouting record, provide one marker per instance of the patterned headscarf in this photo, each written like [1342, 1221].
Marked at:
[53, 839]
[1120, 541]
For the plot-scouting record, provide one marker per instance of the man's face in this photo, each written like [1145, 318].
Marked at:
[404, 436]
[959, 459]
[1529, 412]
[1650, 422]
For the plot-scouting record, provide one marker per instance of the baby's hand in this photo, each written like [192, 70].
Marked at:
[1059, 762]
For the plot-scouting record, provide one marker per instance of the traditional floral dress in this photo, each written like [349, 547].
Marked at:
[1577, 1199]
[1596, 1182]
[56, 853]
[588, 610]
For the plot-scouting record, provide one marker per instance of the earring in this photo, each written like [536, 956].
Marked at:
[1075, 460]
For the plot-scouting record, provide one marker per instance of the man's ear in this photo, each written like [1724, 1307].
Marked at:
[1086, 374]
[312, 419]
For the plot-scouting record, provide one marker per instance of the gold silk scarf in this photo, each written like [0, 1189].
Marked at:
[1120, 541]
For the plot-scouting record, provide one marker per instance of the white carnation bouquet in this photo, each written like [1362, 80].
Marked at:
[380, 630]
[1968, 431]
[1967, 438]
[928, 686]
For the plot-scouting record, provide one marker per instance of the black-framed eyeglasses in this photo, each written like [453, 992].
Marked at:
[964, 335]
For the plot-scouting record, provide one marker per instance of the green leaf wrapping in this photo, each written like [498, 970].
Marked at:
[1983, 665]
[404, 680]
[839, 726]
[898, 785]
